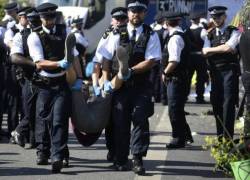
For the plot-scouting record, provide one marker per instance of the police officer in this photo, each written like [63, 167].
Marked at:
[220, 48]
[175, 76]
[156, 71]
[81, 41]
[197, 62]
[13, 74]
[8, 20]
[132, 102]
[119, 18]
[20, 57]
[46, 48]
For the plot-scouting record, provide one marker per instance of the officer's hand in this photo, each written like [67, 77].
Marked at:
[77, 85]
[89, 69]
[205, 51]
[128, 76]
[108, 88]
[63, 64]
[97, 90]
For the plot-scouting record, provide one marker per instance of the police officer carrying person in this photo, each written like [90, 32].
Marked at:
[197, 63]
[220, 48]
[47, 50]
[20, 56]
[119, 18]
[132, 102]
[175, 76]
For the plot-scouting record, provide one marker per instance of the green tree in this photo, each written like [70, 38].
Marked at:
[2, 3]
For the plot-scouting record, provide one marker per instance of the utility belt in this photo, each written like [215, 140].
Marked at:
[44, 82]
[138, 83]
[226, 66]
[177, 76]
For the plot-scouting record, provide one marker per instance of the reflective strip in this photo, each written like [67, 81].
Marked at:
[119, 13]
[137, 4]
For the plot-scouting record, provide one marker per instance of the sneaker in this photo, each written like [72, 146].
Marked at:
[18, 138]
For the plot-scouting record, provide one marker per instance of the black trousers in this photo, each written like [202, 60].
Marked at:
[52, 115]
[26, 127]
[131, 105]
[176, 92]
[155, 78]
[224, 96]
[198, 64]
[13, 98]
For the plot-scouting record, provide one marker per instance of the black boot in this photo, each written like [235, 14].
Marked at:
[137, 165]
[57, 165]
[176, 143]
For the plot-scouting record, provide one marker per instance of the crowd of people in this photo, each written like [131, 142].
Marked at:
[134, 62]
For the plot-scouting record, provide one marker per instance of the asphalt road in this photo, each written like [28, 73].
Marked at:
[190, 163]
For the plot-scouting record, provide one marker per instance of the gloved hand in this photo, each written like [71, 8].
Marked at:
[108, 88]
[89, 69]
[63, 64]
[97, 90]
[77, 85]
[128, 76]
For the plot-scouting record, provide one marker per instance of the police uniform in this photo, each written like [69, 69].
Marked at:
[4, 24]
[132, 102]
[118, 13]
[159, 88]
[52, 108]
[26, 127]
[178, 52]
[81, 42]
[13, 78]
[197, 63]
[224, 69]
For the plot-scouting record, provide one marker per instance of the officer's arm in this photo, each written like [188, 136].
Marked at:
[152, 54]
[47, 65]
[36, 52]
[8, 36]
[219, 49]
[143, 66]
[170, 67]
[96, 74]
[20, 60]
[228, 47]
